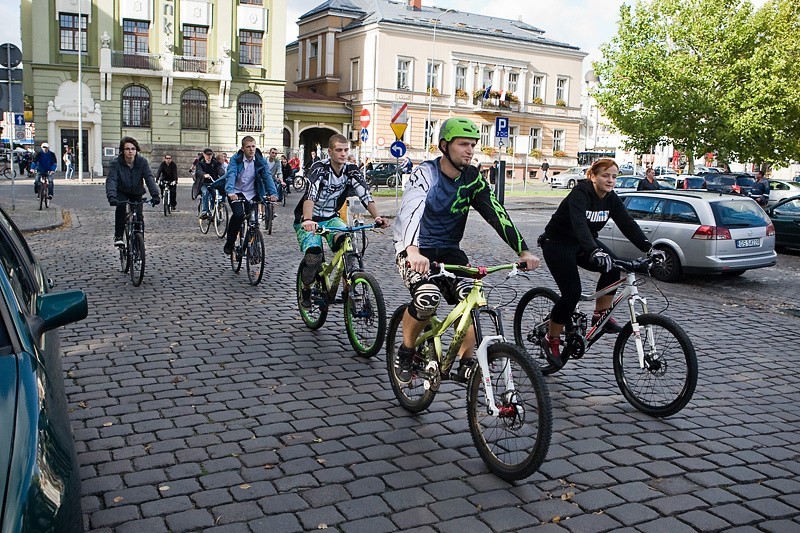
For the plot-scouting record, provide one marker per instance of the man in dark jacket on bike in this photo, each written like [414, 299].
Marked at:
[167, 176]
[45, 163]
[125, 182]
[207, 170]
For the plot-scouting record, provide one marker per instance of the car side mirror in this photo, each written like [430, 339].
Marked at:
[58, 309]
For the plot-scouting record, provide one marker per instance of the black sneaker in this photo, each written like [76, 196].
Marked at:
[118, 242]
[551, 349]
[227, 249]
[465, 370]
[305, 298]
[402, 367]
[611, 326]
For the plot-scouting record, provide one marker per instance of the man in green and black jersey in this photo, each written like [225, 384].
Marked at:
[430, 225]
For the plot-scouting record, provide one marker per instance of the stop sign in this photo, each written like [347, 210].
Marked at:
[364, 118]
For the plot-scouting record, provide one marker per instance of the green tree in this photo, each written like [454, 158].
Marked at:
[692, 73]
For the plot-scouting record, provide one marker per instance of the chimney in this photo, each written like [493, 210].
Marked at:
[415, 5]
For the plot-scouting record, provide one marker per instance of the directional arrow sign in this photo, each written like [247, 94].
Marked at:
[364, 135]
[398, 149]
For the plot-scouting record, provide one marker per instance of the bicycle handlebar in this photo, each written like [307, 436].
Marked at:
[640, 264]
[478, 272]
[349, 229]
[136, 202]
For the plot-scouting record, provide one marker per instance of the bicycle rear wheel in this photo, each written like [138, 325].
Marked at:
[7, 173]
[238, 251]
[413, 396]
[137, 259]
[221, 219]
[531, 321]
[365, 314]
[513, 444]
[314, 316]
[667, 382]
[255, 256]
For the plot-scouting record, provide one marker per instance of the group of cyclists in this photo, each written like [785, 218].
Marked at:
[429, 227]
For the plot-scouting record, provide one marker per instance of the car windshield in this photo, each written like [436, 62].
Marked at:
[791, 207]
[666, 183]
[694, 183]
[746, 181]
[739, 214]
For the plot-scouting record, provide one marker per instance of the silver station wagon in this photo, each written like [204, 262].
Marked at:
[700, 232]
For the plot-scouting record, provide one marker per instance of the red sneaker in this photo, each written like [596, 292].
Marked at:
[552, 349]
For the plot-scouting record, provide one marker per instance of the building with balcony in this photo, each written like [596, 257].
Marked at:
[376, 54]
[177, 75]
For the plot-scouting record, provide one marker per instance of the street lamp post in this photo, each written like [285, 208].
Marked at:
[428, 128]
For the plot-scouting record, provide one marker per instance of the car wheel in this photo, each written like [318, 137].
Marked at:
[391, 181]
[670, 269]
[570, 184]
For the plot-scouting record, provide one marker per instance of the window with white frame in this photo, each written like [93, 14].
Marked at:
[536, 138]
[513, 81]
[486, 133]
[431, 129]
[561, 89]
[404, 74]
[461, 78]
[313, 49]
[434, 77]
[355, 75]
[513, 131]
[537, 83]
[558, 140]
[488, 76]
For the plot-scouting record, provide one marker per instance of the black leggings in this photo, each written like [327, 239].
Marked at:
[563, 260]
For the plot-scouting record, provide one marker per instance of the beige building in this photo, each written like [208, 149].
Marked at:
[177, 75]
[379, 54]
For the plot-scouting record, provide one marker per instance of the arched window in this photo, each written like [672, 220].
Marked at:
[135, 107]
[194, 110]
[248, 113]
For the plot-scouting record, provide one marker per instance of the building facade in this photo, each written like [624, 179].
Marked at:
[177, 75]
[376, 54]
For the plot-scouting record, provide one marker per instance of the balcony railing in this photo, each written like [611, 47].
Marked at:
[495, 103]
[196, 64]
[132, 60]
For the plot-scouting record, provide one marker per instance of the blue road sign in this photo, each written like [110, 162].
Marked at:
[398, 149]
[501, 127]
[19, 119]
[364, 135]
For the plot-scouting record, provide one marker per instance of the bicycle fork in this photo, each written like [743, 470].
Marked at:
[637, 330]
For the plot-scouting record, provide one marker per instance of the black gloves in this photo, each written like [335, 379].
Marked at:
[602, 260]
[112, 201]
[155, 200]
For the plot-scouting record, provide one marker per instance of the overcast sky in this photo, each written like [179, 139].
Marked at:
[585, 23]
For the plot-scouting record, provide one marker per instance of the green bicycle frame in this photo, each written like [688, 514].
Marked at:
[333, 272]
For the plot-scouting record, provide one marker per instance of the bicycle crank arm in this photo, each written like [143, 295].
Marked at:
[483, 361]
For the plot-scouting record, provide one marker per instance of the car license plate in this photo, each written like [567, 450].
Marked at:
[748, 243]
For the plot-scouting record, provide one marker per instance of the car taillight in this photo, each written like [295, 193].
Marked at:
[770, 229]
[712, 233]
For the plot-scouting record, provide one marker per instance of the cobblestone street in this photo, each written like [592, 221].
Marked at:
[199, 402]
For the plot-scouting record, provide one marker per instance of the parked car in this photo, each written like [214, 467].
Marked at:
[569, 178]
[785, 216]
[700, 232]
[669, 181]
[382, 174]
[629, 169]
[730, 183]
[780, 189]
[690, 181]
[661, 171]
[627, 183]
[39, 477]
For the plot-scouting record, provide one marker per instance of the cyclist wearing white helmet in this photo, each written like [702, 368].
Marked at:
[430, 225]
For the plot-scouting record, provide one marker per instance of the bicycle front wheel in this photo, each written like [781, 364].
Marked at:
[42, 194]
[298, 183]
[205, 223]
[531, 321]
[166, 201]
[7, 173]
[269, 212]
[124, 258]
[137, 258]
[238, 252]
[314, 316]
[667, 382]
[418, 394]
[221, 219]
[514, 443]
[365, 314]
[255, 256]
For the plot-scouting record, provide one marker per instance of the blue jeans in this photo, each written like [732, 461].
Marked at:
[206, 198]
[70, 171]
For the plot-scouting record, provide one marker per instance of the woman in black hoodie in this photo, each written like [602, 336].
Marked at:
[126, 179]
[570, 240]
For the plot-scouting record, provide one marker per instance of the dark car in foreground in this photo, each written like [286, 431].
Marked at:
[382, 174]
[785, 216]
[700, 232]
[39, 478]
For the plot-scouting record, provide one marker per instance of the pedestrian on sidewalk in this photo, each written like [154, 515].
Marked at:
[544, 167]
[68, 163]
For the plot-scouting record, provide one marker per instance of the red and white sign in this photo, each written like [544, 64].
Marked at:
[365, 118]
[381, 141]
[400, 113]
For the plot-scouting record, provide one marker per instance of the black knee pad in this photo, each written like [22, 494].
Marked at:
[425, 299]
[311, 265]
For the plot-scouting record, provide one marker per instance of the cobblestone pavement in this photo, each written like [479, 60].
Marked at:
[201, 403]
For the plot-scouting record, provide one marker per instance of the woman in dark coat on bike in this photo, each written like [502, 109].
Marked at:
[570, 240]
[125, 182]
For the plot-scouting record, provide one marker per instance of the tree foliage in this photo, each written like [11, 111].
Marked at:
[706, 75]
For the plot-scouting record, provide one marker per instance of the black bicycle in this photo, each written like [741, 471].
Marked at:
[166, 196]
[131, 254]
[44, 190]
[250, 244]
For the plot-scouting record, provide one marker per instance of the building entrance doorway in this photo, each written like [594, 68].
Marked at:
[70, 138]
